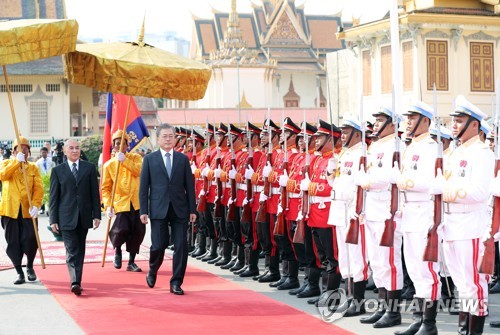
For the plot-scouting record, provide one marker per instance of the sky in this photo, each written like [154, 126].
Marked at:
[107, 19]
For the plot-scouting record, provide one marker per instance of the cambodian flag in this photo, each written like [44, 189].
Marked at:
[116, 110]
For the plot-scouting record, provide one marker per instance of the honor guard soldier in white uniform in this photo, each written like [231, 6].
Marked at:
[342, 173]
[465, 188]
[385, 262]
[416, 176]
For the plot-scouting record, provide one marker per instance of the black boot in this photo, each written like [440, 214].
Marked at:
[292, 281]
[449, 300]
[382, 296]
[240, 262]
[428, 326]
[202, 246]
[253, 264]
[274, 271]
[418, 317]
[267, 261]
[117, 262]
[284, 275]
[331, 284]
[312, 288]
[227, 247]
[463, 323]
[357, 305]
[213, 251]
[476, 324]
[392, 316]
[230, 264]
[304, 284]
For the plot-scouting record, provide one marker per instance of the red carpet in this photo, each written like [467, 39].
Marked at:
[119, 302]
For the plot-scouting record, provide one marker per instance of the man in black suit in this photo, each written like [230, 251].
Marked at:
[167, 197]
[74, 208]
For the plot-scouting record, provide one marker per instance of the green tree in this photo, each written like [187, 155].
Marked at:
[92, 147]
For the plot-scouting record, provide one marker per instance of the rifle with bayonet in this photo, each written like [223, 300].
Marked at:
[246, 213]
[300, 231]
[262, 211]
[202, 201]
[280, 227]
[231, 208]
[218, 208]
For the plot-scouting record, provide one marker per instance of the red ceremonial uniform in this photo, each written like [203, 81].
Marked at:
[212, 191]
[319, 192]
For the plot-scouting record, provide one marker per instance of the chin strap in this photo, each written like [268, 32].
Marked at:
[386, 123]
[412, 133]
[464, 128]
[327, 139]
[350, 138]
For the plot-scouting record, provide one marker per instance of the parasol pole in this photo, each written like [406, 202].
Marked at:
[108, 227]
[25, 177]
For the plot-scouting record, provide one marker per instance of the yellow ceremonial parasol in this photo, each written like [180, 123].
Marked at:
[26, 41]
[136, 69]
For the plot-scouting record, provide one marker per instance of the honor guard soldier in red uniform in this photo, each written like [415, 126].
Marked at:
[414, 179]
[385, 262]
[290, 266]
[465, 188]
[15, 210]
[342, 172]
[181, 134]
[266, 214]
[232, 174]
[207, 220]
[249, 229]
[319, 195]
[127, 228]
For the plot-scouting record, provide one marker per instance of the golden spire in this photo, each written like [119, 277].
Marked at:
[234, 37]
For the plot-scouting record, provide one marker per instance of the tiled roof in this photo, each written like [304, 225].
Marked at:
[144, 104]
[457, 11]
[248, 28]
[322, 30]
[46, 66]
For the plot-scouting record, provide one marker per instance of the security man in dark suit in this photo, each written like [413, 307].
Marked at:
[74, 208]
[167, 196]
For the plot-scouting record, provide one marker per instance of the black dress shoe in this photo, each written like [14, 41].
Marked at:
[151, 279]
[237, 266]
[243, 269]
[176, 289]
[117, 262]
[222, 261]
[266, 272]
[313, 301]
[133, 268]
[389, 319]
[495, 288]
[76, 289]
[289, 284]
[279, 282]
[229, 265]
[270, 277]
[309, 292]
[213, 260]
[495, 324]
[298, 290]
[31, 274]
[20, 280]
[249, 273]
[199, 252]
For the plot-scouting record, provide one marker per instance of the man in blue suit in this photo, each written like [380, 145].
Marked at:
[167, 197]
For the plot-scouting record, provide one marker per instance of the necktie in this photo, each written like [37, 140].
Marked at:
[45, 165]
[74, 170]
[168, 165]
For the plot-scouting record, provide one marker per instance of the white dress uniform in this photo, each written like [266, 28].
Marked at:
[468, 174]
[385, 262]
[352, 258]
[417, 174]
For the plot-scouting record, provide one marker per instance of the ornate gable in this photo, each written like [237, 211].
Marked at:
[286, 29]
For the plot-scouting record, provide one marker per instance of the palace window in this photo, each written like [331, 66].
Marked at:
[482, 71]
[39, 112]
[437, 65]
[53, 87]
[408, 66]
[367, 73]
[17, 88]
[386, 69]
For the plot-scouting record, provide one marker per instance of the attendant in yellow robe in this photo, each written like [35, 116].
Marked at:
[15, 209]
[127, 228]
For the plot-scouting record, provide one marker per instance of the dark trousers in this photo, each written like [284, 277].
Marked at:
[128, 229]
[21, 240]
[265, 232]
[285, 245]
[327, 249]
[74, 242]
[160, 236]
[207, 220]
[233, 229]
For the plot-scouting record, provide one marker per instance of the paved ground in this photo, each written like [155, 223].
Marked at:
[30, 309]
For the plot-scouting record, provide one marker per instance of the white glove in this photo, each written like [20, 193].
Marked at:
[495, 186]
[120, 157]
[262, 197]
[20, 157]
[249, 172]
[363, 179]
[217, 172]
[245, 202]
[110, 212]
[283, 179]
[232, 172]
[487, 236]
[497, 237]
[304, 184]
[193, 167]
[332, 165]
[205, 170]
[352, 215]
[437, 186]
[395, 173]
[267, 170]
[33, 211]
[280, 209]
[300, 216]
[202, 193]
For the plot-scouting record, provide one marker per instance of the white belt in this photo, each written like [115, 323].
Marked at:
[451, 207]
[258, 188]
[275, 190]
[416, 197]
[241, 187]
[294, 195]
[317, 200]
